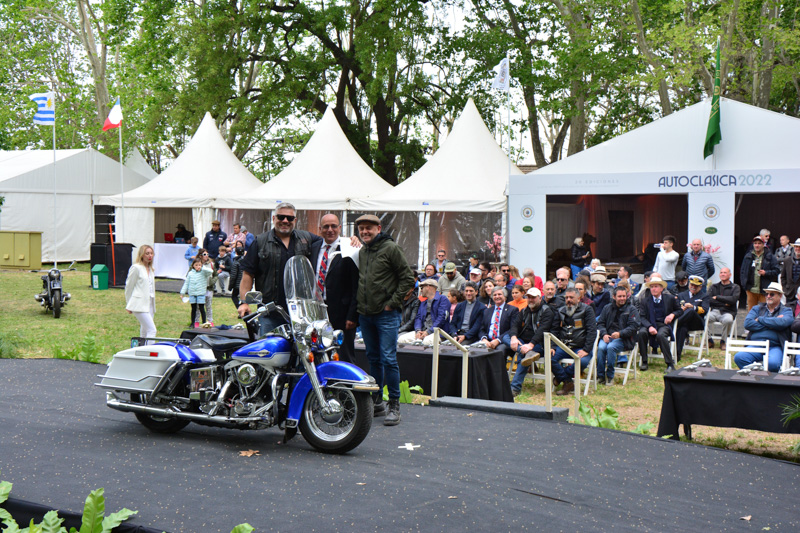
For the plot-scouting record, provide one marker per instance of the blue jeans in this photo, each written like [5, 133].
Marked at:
[380, 342]
[774, 358]
[522, 371]
[267, 323]
[607, 357]
[565, 374]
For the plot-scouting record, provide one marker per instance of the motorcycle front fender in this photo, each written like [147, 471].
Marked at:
[55, 285]
[331, 374]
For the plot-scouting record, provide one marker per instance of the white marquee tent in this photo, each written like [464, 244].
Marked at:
[458, 197]
[82, 176]
[205, 173]
[663, 162]
[326, 175]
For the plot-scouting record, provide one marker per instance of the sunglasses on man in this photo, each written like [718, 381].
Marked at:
[289, 218]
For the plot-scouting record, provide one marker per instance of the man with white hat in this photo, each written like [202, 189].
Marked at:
[769, 321]
[657, 312]
[599, 295]
[790, 274]
[526, 336]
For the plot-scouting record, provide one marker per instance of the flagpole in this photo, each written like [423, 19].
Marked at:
[55, 208]
[121, 186]
[508, 149]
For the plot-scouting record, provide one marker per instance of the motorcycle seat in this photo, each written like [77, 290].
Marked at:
[222, 344]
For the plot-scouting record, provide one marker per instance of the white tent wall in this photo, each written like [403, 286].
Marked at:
[140, 222]
[201, 220]
[74, 220]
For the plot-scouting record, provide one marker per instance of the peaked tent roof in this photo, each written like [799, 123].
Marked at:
[205, 171]
[326, 174]
[78, 171]
[468, 173]
[137, 162]
[751, 138]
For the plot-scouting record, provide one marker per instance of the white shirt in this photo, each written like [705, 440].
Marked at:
[665, 264]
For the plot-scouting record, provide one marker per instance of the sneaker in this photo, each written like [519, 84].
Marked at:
[393, 413]
[530, 358]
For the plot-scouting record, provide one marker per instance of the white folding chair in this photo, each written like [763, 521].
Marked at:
[692, 334]
[630, 366]
[740, 345]
[591, 370]
[790, 350]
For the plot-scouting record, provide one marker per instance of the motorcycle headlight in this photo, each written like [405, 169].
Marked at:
[321, 333]
[54, 274]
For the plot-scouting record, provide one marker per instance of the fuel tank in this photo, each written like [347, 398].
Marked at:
[273, 351]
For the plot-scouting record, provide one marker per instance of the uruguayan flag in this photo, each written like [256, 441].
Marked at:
[46, 114]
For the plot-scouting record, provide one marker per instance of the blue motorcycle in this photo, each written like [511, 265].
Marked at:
[290, 377]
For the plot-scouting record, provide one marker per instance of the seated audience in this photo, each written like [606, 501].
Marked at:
[485, 297]
[657, 311]
[454, 297]
[582, 284]
[434, 312]
[549, 296]
[681, 283]
[618, 325]
[769, 321]
[526, 336]
[517, 298]
[533, 280]
[694, 307]
[465, 324]
[574, 325]
[486, 269]
[723, 302]
[624, 274]
[475, 276]
[429, 273]
[409, 313]
[497, 320]
[473, 263]
[600, 296]
[562, 280]
[451, 279]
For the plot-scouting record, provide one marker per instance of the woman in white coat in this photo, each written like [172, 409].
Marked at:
[140, 291]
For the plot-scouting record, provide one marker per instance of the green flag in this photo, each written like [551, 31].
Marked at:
[714, 133]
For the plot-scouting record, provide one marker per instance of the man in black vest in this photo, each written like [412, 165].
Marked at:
[574, 325]
[526, 336]
[266, 258]
[337, 275]
[657, 311]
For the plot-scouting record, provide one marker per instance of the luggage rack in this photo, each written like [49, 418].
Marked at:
[142, 341]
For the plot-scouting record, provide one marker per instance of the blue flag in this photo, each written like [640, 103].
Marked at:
[46, 114]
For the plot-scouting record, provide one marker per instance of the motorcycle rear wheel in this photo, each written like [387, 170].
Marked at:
[344, 434]
[156, 423]
[56, 301]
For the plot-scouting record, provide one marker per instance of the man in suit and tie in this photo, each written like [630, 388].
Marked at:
[337, 278]
[657, 312]
[497, 319]
[465, 324]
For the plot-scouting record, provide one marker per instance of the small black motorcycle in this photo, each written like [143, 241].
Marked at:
[53, 296]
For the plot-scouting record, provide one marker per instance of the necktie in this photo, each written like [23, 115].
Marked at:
[495, 323]
[657, 300]
[323, 270]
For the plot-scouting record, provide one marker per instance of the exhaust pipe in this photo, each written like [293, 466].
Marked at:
[129, 407]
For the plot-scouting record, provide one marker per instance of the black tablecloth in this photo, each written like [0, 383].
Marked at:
[488, 377]
[723, 398]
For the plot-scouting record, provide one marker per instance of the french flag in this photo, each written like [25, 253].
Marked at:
[114, 117]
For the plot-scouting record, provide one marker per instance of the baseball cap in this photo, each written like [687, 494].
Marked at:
[533, 291]
[449, 267]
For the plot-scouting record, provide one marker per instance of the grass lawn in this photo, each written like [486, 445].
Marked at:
[27, 331]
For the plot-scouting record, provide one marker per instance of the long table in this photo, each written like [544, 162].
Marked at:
[169, 261]
[488, 377]
[723, 398]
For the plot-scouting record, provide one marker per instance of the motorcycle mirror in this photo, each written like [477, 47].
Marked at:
[252, 297]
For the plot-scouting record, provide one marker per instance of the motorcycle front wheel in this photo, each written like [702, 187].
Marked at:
[56, 301]
[342, 430]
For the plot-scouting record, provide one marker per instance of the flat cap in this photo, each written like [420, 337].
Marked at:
[368, 219]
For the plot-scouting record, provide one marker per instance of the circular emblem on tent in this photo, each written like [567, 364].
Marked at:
[527, 212]
[711, 212]
[527, 229]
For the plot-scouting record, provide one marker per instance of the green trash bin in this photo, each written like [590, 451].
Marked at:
[100, 277]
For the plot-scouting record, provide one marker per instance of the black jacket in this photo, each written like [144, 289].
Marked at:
[577, 331]
[341, 283]
[624, 320]
[530, 326]
[410, 309]
[768, 263]
[727, 300]
[789, 285]
[475, 319]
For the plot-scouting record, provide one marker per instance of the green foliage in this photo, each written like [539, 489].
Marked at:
[10, 345]
[88, 350]
[243, 528]
[92, 521]
[790, 411]
[405, 392]
[587, 415]
[644, 429]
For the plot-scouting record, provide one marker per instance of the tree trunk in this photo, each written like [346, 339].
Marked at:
[762, 79]
[655, 64]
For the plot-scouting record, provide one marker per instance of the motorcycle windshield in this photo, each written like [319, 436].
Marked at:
[302, 292]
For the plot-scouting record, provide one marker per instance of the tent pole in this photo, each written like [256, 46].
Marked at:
[121, 186]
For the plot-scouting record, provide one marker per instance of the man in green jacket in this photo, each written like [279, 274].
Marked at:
[384, 279]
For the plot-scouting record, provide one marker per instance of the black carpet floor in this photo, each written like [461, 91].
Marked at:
[465, 471]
